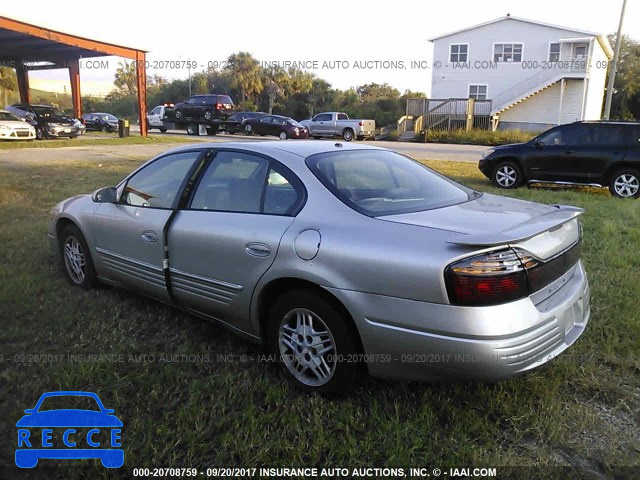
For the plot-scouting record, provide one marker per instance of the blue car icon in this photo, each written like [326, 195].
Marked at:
[70, 428]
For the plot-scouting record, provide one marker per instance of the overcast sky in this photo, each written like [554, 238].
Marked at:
[342, 32]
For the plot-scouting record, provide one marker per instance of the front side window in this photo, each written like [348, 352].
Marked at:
[378, 182]
[565, 135]
[479, 92]
[323, 117]
[507, 52]
[458, 52]
[157, 185]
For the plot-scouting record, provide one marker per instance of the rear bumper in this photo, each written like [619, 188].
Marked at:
[424, 341]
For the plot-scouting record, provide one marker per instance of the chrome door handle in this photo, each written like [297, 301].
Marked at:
[149, 236]
[257, 249]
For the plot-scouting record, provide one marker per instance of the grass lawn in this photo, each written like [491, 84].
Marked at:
[108, 139]
[190, 394]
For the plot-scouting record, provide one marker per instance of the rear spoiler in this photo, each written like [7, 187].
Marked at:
[543, 223]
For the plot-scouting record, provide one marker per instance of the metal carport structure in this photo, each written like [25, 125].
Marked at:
[28, 47]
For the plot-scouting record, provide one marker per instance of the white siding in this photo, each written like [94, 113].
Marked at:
[543, 107]
[596, 83]
[450, 82]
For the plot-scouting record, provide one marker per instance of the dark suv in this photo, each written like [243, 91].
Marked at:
[599, 153]
[204, 107]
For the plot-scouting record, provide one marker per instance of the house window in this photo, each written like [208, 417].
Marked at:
[478, 92]
[507, 52]
[458, 52]
[580, 50]
[554, 52]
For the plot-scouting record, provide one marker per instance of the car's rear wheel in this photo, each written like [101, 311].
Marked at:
[283, 135]
[248, 129]
[76, 258]
[507, 175]
[625, 184]
[347, 135]
[177, 114]
[208, 115]
[311, 340]
[162, 130]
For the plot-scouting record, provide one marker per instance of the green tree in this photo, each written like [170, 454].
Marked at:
[245, 75]
[126, 78]
[625, 103]
[275, 80]
[8, 82]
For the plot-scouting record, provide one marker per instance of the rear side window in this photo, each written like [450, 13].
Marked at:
[595, 134]
[379, 182]
[343, 116]
[246, 183]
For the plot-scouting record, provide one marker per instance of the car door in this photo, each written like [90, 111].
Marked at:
[321, 124]
[228, 236]
[603, 145]
[154, 117]
[550, 157]
[263, 125]
[129, 234]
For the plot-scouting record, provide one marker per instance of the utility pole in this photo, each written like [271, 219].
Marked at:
[614, 64]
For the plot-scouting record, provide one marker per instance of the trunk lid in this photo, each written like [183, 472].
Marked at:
[491, 220]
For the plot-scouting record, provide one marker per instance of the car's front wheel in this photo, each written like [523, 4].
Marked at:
[76, 258]
[507, 175]
[312, 340]
[283, 135]
[625, 184]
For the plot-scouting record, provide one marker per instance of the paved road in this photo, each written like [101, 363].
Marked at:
[432, 151]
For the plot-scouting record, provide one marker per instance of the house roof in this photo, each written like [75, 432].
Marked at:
[602, 39]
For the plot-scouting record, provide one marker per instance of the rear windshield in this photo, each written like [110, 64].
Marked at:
[225, 99]
[379, 182]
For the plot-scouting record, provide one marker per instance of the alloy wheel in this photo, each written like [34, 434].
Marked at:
[74, 260]
[626, 185]
[307, 347]
[506, 176]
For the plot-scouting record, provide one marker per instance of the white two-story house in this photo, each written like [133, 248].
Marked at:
[535, 74]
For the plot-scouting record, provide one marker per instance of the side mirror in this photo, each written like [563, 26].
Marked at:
[538, 144]
[109, 411]
[29, 411]
[105, 195]
[30, 116]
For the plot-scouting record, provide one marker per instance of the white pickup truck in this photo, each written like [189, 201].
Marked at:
[331, 124]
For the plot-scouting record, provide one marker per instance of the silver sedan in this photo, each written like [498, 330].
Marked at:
[340, 259]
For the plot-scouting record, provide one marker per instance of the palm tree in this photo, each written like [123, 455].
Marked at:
[276, 80]
[8, 82]
[245, 75]
[126, 78]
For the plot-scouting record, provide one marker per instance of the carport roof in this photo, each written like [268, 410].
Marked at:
[22, 42]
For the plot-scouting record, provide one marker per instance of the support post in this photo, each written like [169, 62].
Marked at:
[22, 75]
[562, 85]
[74, 77]
[141, 76]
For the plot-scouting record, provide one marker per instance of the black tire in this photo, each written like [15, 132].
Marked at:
[317, 137]
[84, 275]
[625, 183]
[208, 115]
[39, 133]
[248, 129]
[105, 129]
[212, 130]
[507, 174]
[343, 372]
[347, 134]
[177, 114]
[283, 135]
[162, 130]
[71, 137]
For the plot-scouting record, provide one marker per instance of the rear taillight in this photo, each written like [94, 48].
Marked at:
[219, 106]
[487, 279]
[361, 124]
[504, 275]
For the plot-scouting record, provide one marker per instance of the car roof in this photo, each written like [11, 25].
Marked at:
[608, 122]
[302, 149]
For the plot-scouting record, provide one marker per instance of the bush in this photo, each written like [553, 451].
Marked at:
[477, 137]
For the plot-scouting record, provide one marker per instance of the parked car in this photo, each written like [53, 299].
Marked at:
[101, 122]
[48, 121]
[155, 116]
[204, 107]
[235, 123]
[336, 257]
[281, 127]
[338, 124]
[14, 128]
[603, 154]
